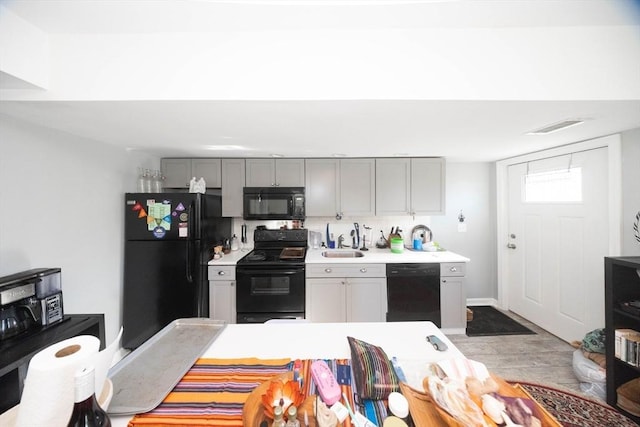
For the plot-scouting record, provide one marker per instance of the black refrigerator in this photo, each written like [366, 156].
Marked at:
[169, 239]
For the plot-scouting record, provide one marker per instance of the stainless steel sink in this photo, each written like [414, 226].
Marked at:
[342, 254]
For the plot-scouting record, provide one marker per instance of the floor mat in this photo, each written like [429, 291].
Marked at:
[488, 321]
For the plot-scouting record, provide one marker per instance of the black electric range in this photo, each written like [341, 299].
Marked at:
[271, 278]
[277, 247]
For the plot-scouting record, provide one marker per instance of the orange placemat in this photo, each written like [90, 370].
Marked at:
[212, 392]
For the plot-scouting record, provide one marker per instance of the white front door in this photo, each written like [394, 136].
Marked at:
[558, 238]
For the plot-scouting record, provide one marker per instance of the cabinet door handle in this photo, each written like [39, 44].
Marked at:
[221, 273]
[363, 270]
[444, 280]
[327, 270]
[233, 283]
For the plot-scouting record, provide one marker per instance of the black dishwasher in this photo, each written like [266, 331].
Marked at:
[413, 292]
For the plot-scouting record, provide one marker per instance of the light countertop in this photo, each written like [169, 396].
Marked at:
[373, 256]
[384, 256]
[229, 259]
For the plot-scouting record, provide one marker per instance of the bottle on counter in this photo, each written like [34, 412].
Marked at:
[86, 410]
[234, 243]
[278, 417]
[292, 417]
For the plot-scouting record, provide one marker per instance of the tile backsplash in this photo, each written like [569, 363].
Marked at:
[344, 227]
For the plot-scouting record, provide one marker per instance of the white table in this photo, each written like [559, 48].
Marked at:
[302, 340]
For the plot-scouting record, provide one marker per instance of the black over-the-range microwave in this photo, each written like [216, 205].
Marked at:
[273, 203]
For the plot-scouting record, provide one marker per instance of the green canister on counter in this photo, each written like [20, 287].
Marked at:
[397, 245]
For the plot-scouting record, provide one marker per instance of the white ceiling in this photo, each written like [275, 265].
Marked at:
[459, 129]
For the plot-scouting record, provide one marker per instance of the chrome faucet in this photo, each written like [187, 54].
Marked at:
[340, 240]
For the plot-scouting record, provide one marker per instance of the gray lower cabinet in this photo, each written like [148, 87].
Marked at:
[222, 293]
[410, 186]
[453, 296]
[233, 178]
[178, 172]
[275, 172]
[346, 292]
[340, 187]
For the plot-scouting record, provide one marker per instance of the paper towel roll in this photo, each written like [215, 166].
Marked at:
[47, 397]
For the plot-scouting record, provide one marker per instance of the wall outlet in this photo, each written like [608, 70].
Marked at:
[462, 227]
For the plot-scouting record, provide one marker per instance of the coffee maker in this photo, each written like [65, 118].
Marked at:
[29, 300]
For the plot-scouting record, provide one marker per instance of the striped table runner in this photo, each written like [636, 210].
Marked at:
[212, 393]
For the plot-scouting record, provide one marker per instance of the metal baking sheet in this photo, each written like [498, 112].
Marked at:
[146, 376]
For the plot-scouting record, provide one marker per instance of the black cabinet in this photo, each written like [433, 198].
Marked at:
[622, 283]
[16, 352]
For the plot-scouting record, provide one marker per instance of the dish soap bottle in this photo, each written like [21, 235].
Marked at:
[86, 410]
[234, 243]
[278, 420]
[292, 420]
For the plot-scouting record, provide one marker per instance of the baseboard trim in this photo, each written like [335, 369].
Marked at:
[482, 301]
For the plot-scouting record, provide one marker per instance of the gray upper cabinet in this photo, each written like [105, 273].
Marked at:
[233, 176]
[178, 172]
[275, 173]
[340, 187]
[209, 169]
[427, 186]
[410, 186]
[357, 187]
[393, 186]
[322, 190]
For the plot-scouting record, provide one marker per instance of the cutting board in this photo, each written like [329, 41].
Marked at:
[292, 253]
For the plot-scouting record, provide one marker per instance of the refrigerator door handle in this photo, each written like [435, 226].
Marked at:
[190, 243]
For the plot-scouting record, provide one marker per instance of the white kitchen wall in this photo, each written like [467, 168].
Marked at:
[61, 201]
[470, 188]
[630, 190]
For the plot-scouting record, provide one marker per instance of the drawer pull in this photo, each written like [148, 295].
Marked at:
[363, 270]
[453, 269]
[327, 270]
[221, 273]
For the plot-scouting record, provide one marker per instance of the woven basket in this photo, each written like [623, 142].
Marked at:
[425, 412]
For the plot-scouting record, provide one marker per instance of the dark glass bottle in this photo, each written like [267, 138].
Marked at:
[86, 410]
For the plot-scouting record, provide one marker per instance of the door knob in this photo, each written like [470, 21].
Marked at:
[511, 245]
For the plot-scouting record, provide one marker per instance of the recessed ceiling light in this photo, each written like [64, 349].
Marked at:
[401, 154]
[223, 147]
[556, 126]
[339, 155]
[277, 155]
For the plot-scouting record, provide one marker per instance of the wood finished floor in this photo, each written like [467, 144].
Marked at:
[542, 358]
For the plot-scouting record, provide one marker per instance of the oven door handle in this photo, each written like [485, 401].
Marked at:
[268, 272]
